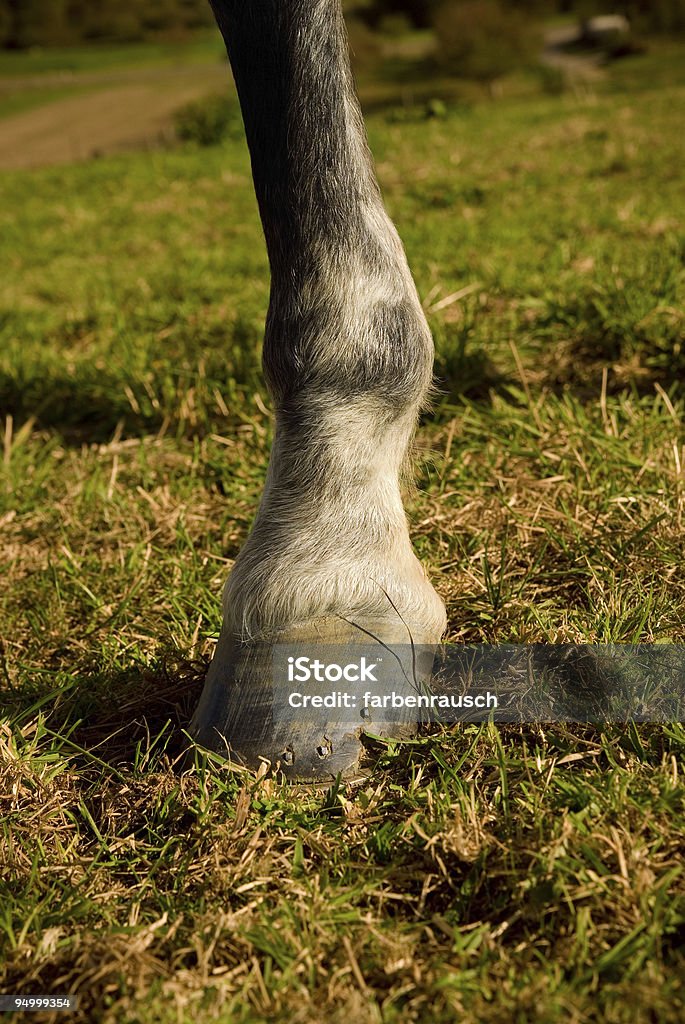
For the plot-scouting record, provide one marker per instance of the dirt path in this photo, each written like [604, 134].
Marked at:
[132, 108]
[120, 113]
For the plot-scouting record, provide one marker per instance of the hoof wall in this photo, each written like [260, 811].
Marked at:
[244, 713]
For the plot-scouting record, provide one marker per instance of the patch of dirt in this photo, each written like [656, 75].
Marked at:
[131, 113]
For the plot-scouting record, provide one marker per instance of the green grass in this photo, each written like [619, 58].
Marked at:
[19, 100]
[35, 77]
[205, 46]
[527, 874]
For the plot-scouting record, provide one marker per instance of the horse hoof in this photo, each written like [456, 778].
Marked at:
[247, 715]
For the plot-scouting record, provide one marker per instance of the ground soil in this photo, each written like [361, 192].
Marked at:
[115, 112]
[119, 110]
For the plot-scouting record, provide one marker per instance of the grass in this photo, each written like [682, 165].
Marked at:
[19, 100]
[32, 78]
[527, 874]
[201, 45]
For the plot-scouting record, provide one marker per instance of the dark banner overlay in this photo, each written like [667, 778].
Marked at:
[374, 686]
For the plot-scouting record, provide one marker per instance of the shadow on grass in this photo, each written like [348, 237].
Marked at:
[118, 725]
[116, 719]
[638, 338]
[91, 408]
[461, 372]
[85, 409]
[187, 383]
[91, 405]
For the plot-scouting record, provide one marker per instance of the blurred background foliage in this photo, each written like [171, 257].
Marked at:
[646, 15]
[462, 26]
[29, 23]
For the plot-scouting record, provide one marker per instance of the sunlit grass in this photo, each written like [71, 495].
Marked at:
[522, 874]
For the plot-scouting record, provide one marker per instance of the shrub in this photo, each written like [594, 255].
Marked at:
[480, 39]
[417, 13]
[208, 121]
